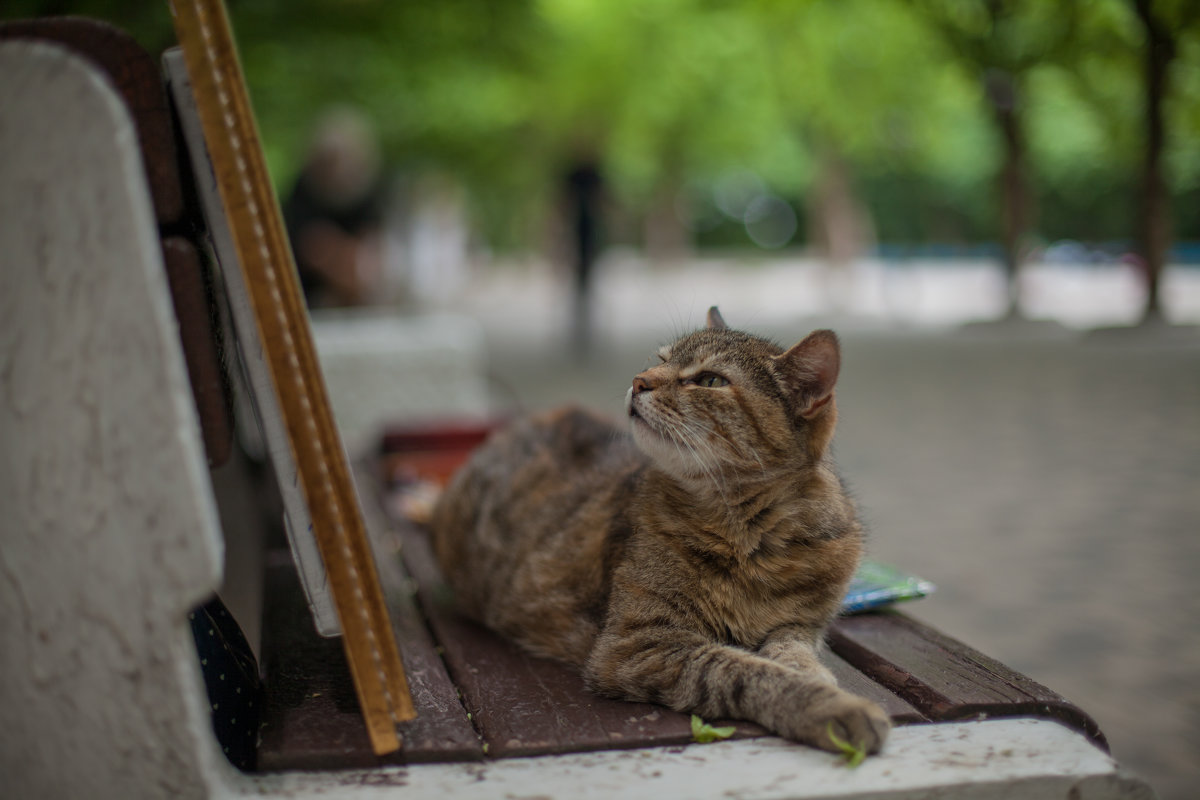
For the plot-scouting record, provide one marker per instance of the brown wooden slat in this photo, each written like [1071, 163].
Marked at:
[527, 706]
[850, 679]
[312, 719]
[943, 678]
[441, 730]
[441, 725]
[138, 78]
[189, 295]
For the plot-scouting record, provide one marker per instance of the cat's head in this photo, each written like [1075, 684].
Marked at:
[722, 403]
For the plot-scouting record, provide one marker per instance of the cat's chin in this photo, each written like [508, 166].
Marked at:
[663, 453]
[648, 440]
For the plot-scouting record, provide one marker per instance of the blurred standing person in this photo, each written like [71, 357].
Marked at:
[585, 189]
[334, 213]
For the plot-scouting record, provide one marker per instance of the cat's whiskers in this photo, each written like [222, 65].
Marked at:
[682, 434]
[713, 431]
[716, 479]
[692, 431]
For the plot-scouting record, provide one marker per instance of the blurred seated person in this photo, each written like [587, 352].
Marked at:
[334, 213]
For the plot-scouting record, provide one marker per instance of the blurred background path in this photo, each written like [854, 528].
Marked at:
[1046, 479]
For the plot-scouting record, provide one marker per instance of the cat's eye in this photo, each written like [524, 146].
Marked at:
[710, 380]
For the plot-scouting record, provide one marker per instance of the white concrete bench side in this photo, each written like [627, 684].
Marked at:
[110, 529]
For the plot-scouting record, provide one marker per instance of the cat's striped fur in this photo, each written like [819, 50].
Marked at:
[694, 563]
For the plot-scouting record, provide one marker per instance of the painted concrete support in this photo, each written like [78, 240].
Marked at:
[109, 527]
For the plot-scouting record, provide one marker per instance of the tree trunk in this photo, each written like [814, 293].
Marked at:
[667, 238]
[1154, 227]
[840, 227]
[1013, 187]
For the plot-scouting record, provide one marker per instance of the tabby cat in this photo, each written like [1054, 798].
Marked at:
[694, 562]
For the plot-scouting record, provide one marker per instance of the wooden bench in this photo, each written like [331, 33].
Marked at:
[479, 696]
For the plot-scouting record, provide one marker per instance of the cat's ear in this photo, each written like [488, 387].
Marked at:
[809, 370]
[714, 320]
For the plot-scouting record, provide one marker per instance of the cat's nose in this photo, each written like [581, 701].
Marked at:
[649, 379]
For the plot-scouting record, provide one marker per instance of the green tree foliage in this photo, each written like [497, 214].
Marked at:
[670, 96]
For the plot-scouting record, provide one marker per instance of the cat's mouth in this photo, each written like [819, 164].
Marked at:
[641, 425]
[636, 418]
[634, 414]
[629, 406]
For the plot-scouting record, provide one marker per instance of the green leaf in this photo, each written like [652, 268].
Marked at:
[704, 733]
[853, 754]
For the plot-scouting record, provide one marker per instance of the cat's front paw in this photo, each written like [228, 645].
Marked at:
[846, 719]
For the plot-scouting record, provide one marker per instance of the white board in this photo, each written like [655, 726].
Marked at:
[261, 390]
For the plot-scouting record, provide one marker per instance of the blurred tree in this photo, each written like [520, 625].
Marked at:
[1135, 71]
[446, 83]
[1082, 128]
[866, 94]
[1164, 24]
[910, 104]
[663, 93]
[1001, 42]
